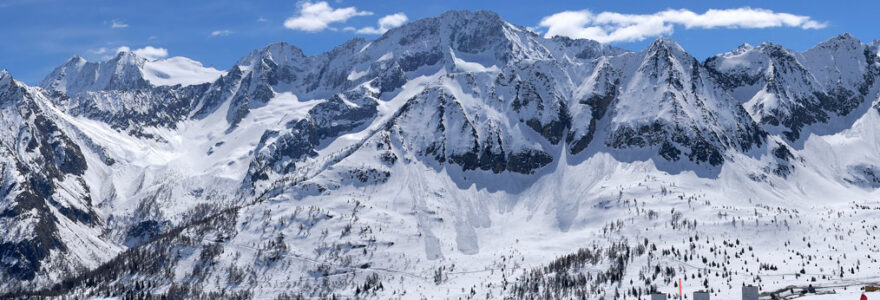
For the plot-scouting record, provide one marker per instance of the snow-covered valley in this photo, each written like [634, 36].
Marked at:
[456, 157]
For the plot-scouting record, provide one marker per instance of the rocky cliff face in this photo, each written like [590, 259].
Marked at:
[45, 197]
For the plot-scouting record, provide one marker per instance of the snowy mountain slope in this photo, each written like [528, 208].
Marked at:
[668, 100]
[456, 157]
[49, 223]
[402, 230]
[788, 91]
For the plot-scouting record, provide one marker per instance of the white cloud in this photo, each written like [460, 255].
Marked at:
[116, 24]
[314, 17]
[385, 23]
[151, 53]
[99, 51]
[607, 27]
[223, 32]
[148, 52]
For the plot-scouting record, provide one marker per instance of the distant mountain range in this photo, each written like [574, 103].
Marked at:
[453, 157]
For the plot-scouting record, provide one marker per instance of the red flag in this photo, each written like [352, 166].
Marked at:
[680, 294]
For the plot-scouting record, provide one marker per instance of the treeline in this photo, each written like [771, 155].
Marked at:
[570, 277]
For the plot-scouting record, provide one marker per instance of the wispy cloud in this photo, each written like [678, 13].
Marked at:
[116, 24]
[315, 17]
[223, 32]
[99, 51]
[148, 52]
[609, 27]
[385, 24]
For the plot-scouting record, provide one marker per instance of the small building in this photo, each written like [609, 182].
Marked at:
[750, 292]
[658, 296]
[701, 295]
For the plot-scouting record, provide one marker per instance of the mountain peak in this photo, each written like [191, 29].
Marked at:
[457, 20]
[775, 50]
[76, 59]
[278, 52]
[845, 36]
[745, 47]
[845, 40]
[77, 75]
[7, 87]
[665, 43]
[282, 46]
[5, 78]
[465, 32]
[471, 15]
[127, 58]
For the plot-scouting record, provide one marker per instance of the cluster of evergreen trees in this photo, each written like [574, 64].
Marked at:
[570, 277]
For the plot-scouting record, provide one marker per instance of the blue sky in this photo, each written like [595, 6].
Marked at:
[41, 34]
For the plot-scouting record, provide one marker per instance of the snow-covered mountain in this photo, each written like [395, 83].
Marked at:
[789, 91]
[49, 222]
[129, 92]
[453, 157]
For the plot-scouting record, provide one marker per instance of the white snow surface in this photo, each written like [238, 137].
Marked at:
[179, 70]
[842, 295]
